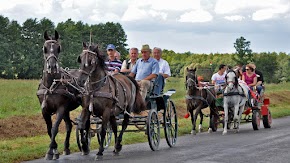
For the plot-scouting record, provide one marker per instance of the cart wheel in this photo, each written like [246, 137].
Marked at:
[153, 130]
[170, 123]
[108, 136]
[79, 138]
[256, 120]
[213, 123]
[267, 120]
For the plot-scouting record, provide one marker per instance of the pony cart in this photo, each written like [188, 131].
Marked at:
[254, 110]
[161, 112]
[226, 104]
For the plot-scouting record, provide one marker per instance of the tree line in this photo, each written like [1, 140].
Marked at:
[21, 50]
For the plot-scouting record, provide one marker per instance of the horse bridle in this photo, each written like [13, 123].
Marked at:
[51, 55]
[189, 82]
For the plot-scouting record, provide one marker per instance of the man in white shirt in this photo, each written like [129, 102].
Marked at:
[164, 71]
[219, 77]
[164, 68]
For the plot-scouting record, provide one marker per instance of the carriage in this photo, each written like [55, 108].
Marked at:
[160, 113]
[256, 109]
[255, 112]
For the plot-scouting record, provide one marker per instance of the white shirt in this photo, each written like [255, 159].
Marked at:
[219, 79]
[164, 67]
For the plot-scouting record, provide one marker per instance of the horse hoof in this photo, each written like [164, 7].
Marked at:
[85, 152]
[66, 152]
[56, 156]
[209, 130]
[48, 156]
[118, 148]
[116, 153]
[193, 132]
[224, 133]
[99, 158]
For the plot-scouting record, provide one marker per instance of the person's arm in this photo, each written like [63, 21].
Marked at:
[254, 82]
[243, 77]
[150, 77]
[213, 79]
[132, 74]
[167, 72]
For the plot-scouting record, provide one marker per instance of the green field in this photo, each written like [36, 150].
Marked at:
[18, 99]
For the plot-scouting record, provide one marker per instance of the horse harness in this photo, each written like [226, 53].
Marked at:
[108, 95]
[55, 90]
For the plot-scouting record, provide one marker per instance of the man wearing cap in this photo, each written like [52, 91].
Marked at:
[145, 70]
[113, 64]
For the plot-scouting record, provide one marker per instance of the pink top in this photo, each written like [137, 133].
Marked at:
[249, 79]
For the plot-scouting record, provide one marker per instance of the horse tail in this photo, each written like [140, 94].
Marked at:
[139, 104]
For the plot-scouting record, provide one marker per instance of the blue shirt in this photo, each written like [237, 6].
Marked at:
[143, 68]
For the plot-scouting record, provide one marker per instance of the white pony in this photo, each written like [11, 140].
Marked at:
[235, 98]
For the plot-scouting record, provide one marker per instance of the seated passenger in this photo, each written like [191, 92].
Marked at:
[250, 78]
[113, 64]
[164, 71]
[129, 63]
[218, 79]
[145, 70]
[260, 79]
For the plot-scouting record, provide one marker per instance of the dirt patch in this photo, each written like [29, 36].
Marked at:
[24, 126]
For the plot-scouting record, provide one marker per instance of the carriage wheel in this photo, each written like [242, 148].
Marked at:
[170, 123]
[267, 120]
[108, 136]
[214, 123]
[153, 130]
[256, 119]
[79, 138]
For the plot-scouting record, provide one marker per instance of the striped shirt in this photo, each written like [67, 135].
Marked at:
[112, 65]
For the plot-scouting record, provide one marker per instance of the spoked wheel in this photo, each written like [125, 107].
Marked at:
[153, 130]
[170, 123]
[79, 138]
[267, 120]
[108, 136]
[256, 120]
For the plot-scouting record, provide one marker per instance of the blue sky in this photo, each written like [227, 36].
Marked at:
[199, 26]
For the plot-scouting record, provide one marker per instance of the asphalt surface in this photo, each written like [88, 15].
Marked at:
[262, 146]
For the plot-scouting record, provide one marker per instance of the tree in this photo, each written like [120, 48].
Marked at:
[243, 53]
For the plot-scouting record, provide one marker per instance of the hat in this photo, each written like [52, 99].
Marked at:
[111, 46]
[145, 48]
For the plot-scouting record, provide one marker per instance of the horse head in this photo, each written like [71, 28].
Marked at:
[191, 78]
[231, 79]
[51, 50]
[90, 58]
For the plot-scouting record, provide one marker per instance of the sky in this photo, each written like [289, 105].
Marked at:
[198, 26]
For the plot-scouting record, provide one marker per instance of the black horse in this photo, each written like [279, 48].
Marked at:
[107, 96]
[58, 93]
[198, 99]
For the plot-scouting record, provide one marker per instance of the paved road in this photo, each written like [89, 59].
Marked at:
[263, 146]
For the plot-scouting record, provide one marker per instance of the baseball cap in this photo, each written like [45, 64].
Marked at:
[111, 46]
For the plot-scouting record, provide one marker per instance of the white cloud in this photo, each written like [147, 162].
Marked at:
[234, 18]
[269, 13]
[181, 5]
[253, 6]
[196, 16]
